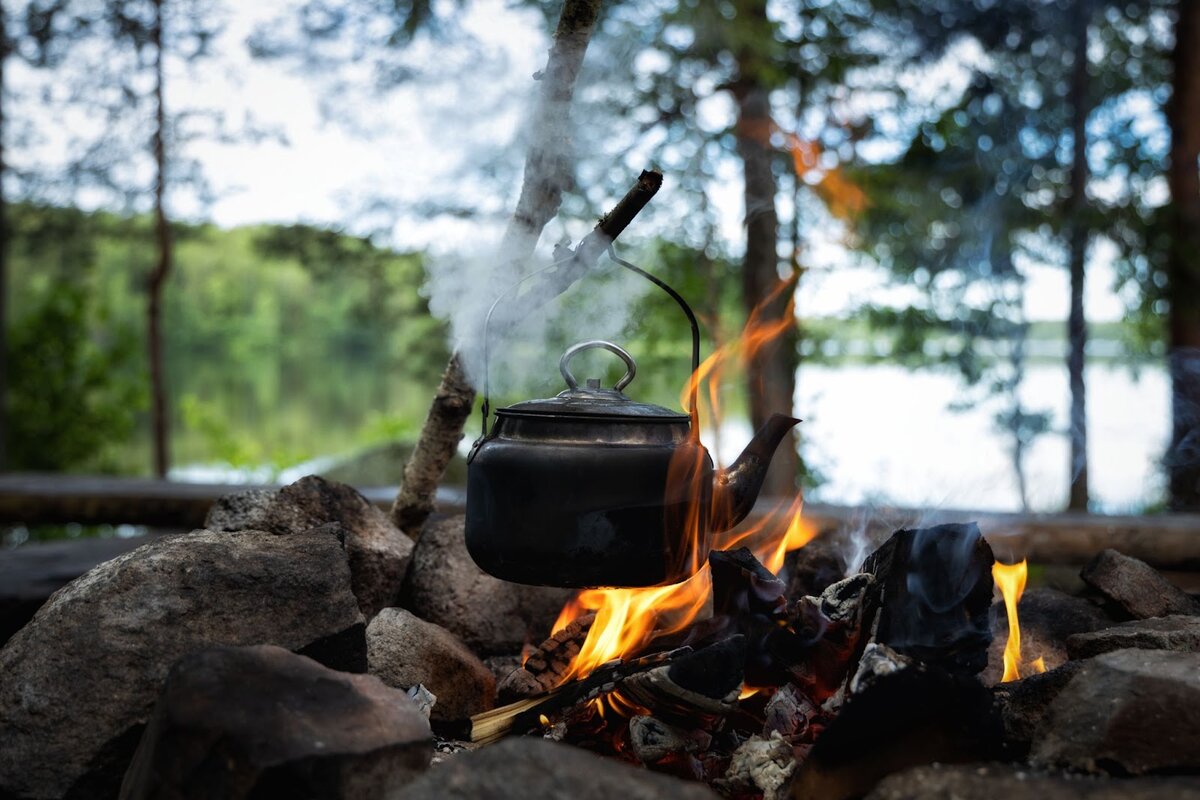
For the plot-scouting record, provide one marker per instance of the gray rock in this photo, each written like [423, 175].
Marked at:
[1023, 704]
[521, 768]
[1048, 617]
[241, 722]
[1178, 633]
[1136, 587]
[378, 551]
[29, 574]
[240, 511]
[1126, 712]
[1003, 782]
[491, 616]
[404, 650]
[78, 682]
[503, 666]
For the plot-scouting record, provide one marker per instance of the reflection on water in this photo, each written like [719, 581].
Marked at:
[876, 433]
[882, 434]
[266, 419]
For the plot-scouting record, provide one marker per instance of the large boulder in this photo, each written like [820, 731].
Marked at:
[1127, 712]
[1003, 782]
[1179, 633]
[491, 616]
[242, 722]
[1136, 588]
[29, 574]
[378, 551]
[404, 650]
[77, 683]
[525, 767]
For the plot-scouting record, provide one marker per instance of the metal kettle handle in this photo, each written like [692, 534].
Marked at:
[593, 344]
[678, 298]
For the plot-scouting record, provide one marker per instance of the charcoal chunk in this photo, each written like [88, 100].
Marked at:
[933, 595]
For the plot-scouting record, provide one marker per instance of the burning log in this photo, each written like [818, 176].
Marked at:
[526, 715]
[547, 666]
[933, 596]
[742, 585]
[809, 570]
[701, 685]
[834, 623]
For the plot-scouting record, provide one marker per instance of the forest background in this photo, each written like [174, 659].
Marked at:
[984, 209]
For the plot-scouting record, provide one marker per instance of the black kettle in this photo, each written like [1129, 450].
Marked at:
[591, 488]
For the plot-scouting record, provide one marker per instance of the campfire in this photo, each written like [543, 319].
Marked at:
[731, 676]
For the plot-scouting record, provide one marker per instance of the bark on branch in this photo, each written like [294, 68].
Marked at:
[547, 172]
[455, 395]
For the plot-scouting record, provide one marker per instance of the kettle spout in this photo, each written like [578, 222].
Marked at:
[736, 487]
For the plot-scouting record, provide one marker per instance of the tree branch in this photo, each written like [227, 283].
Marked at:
[455, 396]
[547, 171]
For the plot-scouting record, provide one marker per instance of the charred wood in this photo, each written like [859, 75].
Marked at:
[742, 585]
[809, 570]
[789, 713]
[546, 666]
[933, 596]
[653, 740]
[525, 715]
[763, 765]
[906, 718]
[834, 624]
[702, 685]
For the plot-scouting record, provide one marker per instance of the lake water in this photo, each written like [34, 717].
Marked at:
[878, 434]
[882, 434]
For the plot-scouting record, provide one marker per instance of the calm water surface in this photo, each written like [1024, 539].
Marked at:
[883, 434]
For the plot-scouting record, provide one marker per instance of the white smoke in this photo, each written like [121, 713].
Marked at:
[523, 360]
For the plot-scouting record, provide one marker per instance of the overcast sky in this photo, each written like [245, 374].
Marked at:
[322, 172]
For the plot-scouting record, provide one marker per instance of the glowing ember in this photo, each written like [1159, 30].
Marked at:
[1010, 578]
[628, 619]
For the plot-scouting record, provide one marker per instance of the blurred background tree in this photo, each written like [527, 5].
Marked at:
[942, 153]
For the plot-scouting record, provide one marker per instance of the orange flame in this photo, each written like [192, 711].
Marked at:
[628, 619]
[1010, 578]
[757, 334]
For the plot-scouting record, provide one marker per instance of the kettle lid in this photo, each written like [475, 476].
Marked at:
[591, 400]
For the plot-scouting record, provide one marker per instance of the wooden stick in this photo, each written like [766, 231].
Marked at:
[571, 269]
[524, 715]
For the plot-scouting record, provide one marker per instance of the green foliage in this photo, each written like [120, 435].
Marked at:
[267, 329]
[74, 388]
